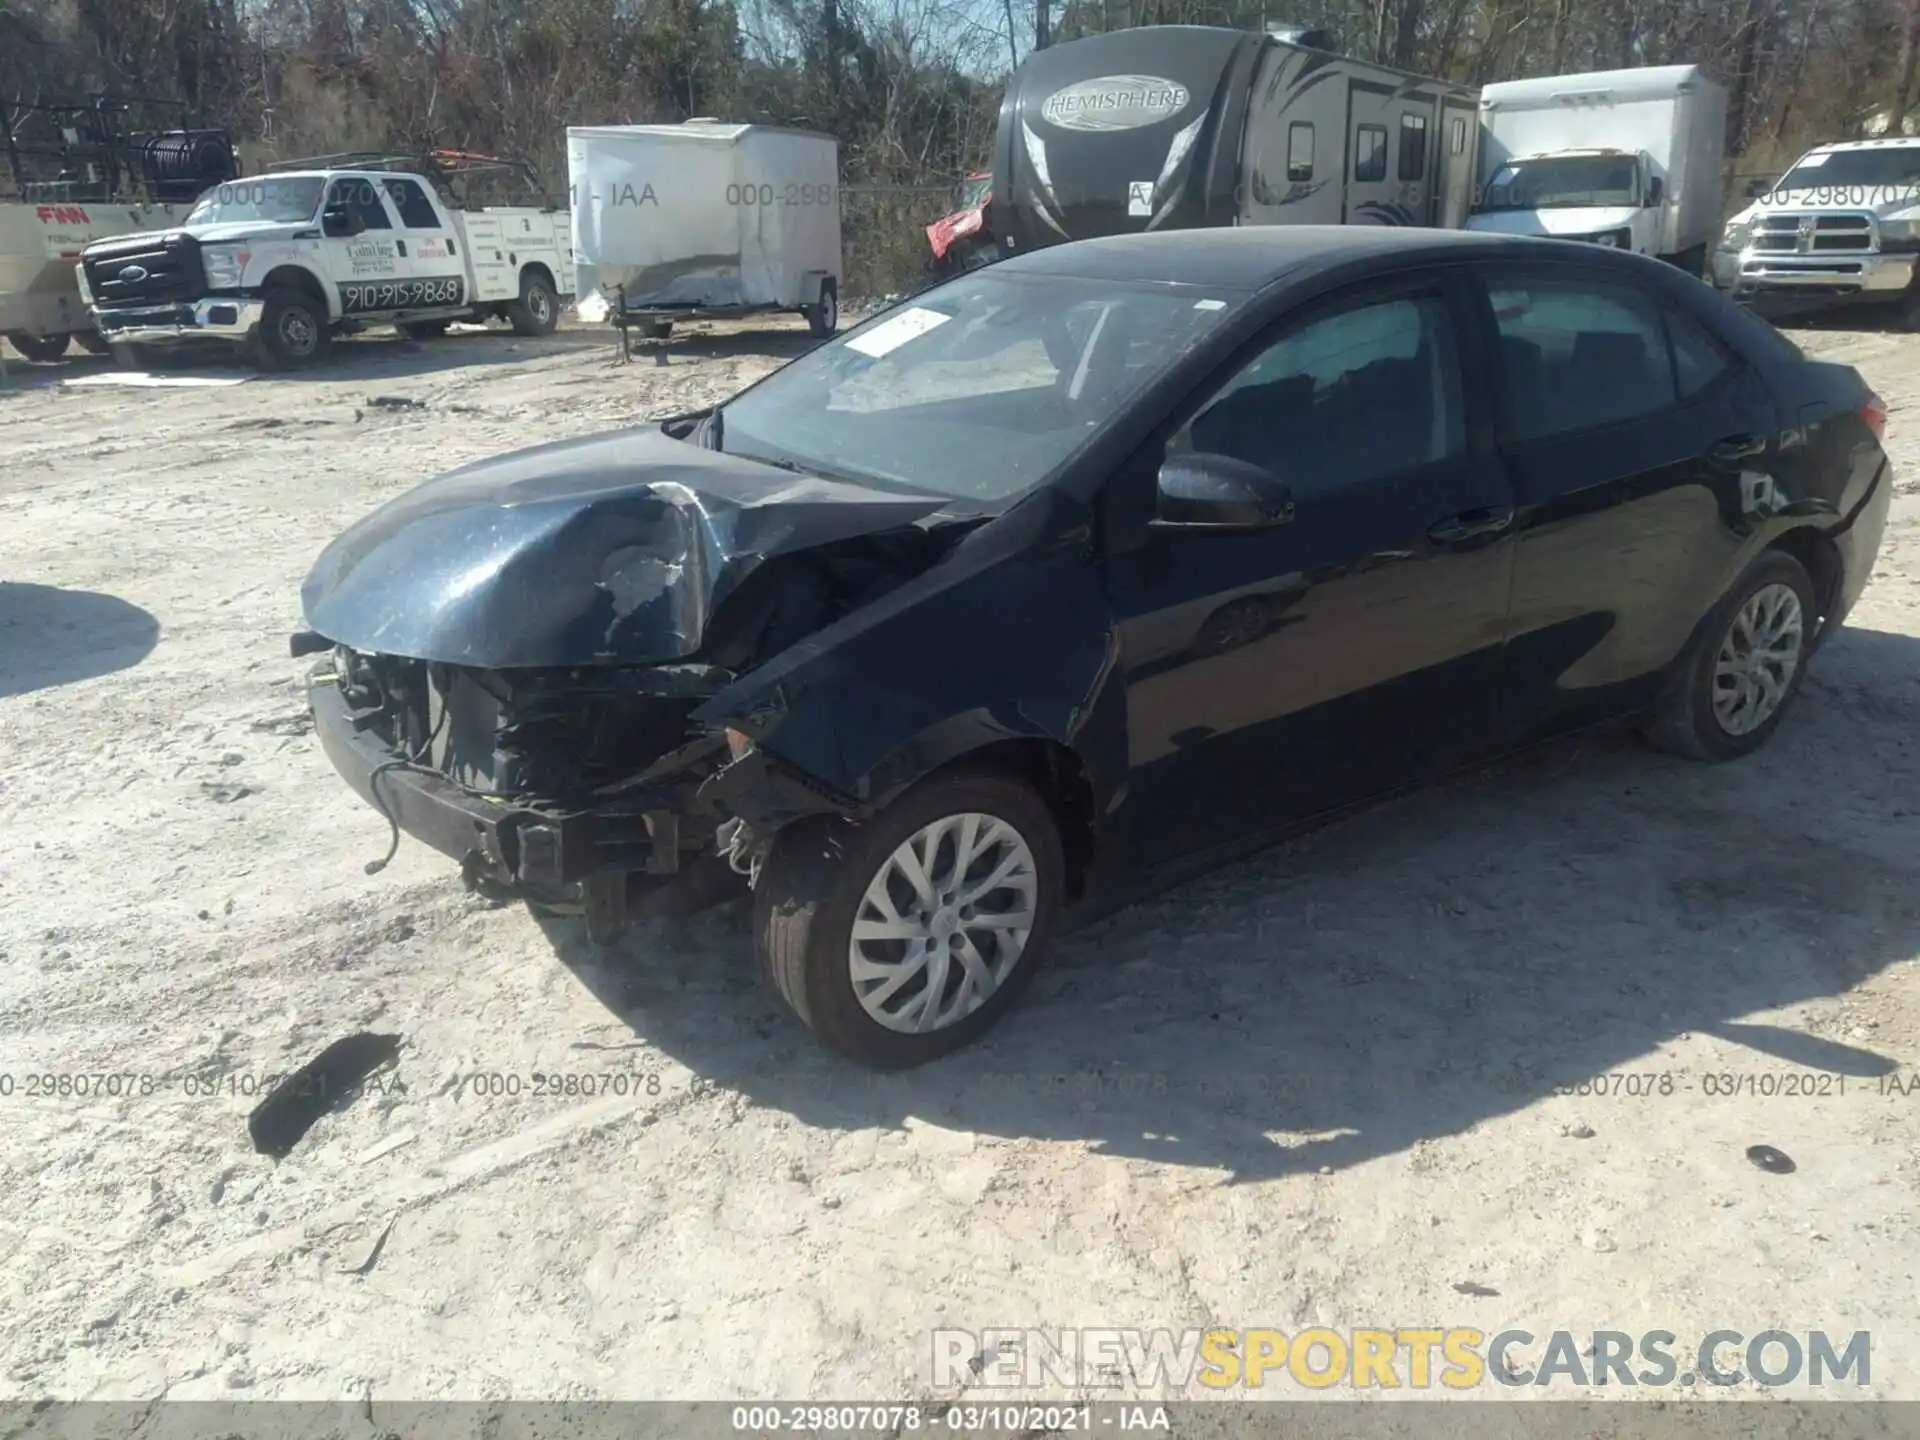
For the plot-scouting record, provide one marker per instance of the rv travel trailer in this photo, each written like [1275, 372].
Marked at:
[1175, 126]
[1627, 158]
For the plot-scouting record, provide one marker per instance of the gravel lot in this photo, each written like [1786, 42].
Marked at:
[1329, 1073]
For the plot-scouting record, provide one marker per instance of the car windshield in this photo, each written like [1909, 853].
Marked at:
[1560, 182]
[976, 390]
[1896, 165]
[286, 200]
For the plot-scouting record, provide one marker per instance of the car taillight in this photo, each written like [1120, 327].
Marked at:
[1873, 410]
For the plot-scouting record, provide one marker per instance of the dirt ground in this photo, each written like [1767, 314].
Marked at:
[1327, 1076]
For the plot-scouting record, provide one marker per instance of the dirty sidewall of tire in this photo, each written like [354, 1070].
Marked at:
[283, 307]
[1774, 567]
[811, 888]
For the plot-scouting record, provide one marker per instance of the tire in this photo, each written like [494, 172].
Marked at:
[537, 311]
[91, 341]
[294, 331]
[823, 319]
[423, 329]
[814, 884]
[1687, 720]
[129, 356]
[44, 349]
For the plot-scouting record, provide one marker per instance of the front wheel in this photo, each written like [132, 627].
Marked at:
[1747, 663]
[906, 937]
[293, 331]
[537, 311]
[42, 348]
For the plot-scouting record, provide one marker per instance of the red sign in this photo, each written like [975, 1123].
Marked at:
[63, 215]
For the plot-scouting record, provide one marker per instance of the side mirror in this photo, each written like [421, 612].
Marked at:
[1757, 188]
[1203, 491]
[1656, 188]
[340, 222]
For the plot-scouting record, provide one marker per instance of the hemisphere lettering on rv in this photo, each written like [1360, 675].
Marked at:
[1114, 102]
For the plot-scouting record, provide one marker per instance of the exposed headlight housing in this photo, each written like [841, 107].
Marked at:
[226, 266]
[1615, 239]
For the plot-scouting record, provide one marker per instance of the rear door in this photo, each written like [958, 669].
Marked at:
[1274, 675]
[1643, 454]
[367, 269]
[435, 272]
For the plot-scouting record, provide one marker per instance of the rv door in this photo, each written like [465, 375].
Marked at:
[1458, 160]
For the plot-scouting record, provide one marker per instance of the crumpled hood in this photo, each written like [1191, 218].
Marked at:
[610, 550]
[1577, 220]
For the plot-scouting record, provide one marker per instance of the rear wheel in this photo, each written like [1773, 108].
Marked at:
[424, 329]
[293, 330]
[537, 311]
[906, 937]
[1746, 664]
[43, 348]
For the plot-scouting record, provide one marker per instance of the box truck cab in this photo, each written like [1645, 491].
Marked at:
[1627, 158]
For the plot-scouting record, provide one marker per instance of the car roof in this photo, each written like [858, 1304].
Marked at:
[1254, 256]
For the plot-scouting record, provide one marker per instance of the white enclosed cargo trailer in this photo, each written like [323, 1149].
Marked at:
[704, 219]
[1627, 158]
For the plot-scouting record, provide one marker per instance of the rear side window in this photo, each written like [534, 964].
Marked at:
[416, 211]
[360, 198]
[1413, 147]
[1370, 152]
[1579, 355]
[1458, 143]
[1698, 360]
[1355, 396]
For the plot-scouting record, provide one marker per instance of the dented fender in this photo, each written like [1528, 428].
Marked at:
[922, 677]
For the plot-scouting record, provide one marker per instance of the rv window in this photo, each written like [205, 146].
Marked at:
[1459, 138]
[1370, 153]
[1413, 147]
[1300, 150]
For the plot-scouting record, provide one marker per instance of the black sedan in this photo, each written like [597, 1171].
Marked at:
[1083, 571]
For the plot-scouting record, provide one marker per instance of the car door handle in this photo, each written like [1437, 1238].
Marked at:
[1471, 523]
[1737, 448]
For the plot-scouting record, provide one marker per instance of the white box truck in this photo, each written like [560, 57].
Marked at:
[1628, 158]
[704, 220]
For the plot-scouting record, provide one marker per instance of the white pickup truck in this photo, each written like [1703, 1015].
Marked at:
[285, 261]
[1841, 227]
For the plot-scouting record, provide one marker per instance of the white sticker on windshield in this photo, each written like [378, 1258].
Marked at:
[1807, 162]
[1209, 304]
[1140, 197]
[890, 335]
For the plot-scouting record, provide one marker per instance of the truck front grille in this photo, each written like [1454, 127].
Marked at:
[147, 273]
[1815, 235]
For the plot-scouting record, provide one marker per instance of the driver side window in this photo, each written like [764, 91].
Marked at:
[1345, 399]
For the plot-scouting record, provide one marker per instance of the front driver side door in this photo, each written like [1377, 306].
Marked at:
[1273, 675]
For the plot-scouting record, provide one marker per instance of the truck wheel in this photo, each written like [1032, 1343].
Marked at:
[293, 330]
[904, 938]
[129, 356]
[823, 319]
[423, 329]
[537, 311]
[44, 348]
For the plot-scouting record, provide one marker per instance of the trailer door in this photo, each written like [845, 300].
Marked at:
[1458, 160]
[1371, 188]
[1416, 158]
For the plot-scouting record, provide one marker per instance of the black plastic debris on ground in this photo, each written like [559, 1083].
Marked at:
[1775, 1162]
[326, 1083]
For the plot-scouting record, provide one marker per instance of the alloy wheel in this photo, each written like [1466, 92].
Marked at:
[1758, 659]
[943, 923]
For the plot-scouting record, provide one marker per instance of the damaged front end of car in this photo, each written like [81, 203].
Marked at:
[515, 655]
